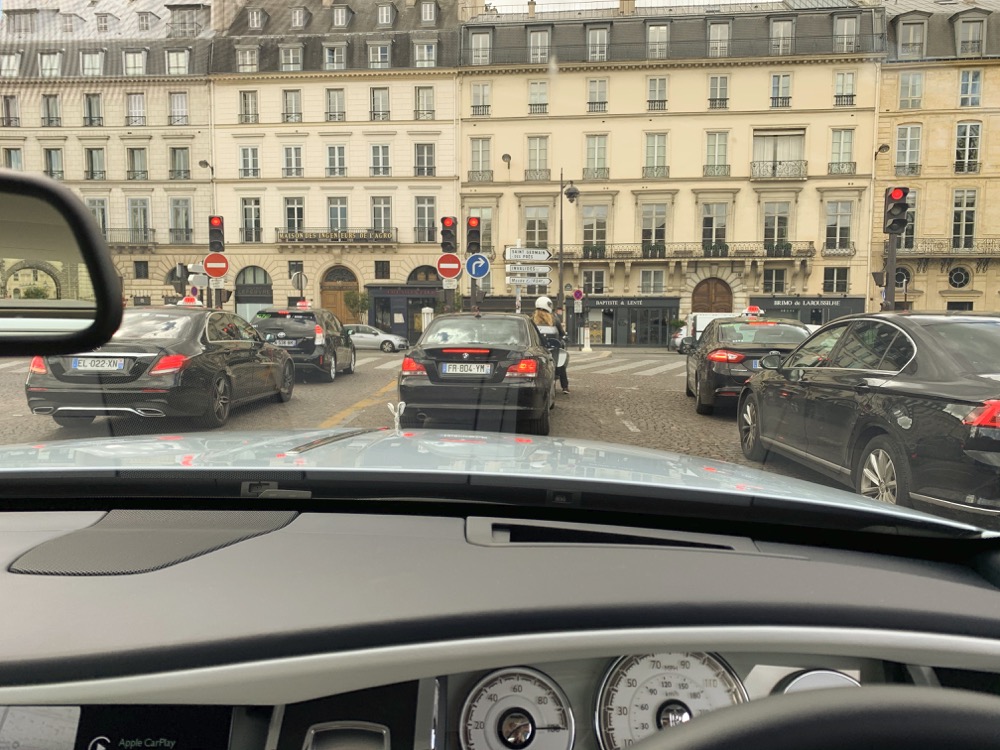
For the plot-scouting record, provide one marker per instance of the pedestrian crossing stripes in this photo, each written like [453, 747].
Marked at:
[629, 366]
[662, 368]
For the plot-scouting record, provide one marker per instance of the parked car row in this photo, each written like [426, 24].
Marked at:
[903, 407]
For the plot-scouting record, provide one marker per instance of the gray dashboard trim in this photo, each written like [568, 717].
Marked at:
[290, 680]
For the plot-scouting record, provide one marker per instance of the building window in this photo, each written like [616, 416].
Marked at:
[10, 116]
[250, 230]
[593, 282]
[970, 88]
[249, 161]
[99, 210]
[178, 108]
[595, 227]
[718, 39]
[774, 281]
[911, 39]
[53, 163]
[481, 155]
[656, 94]
[380, 104]
[781, 90]
[909, 233]
[713, 224]
[538, 158]
[69, 23]
[13, 158]
[382, 270]
[597, 95]
[180, 163]
[22, 22]
[10, 65]
[293, 162]
[51, 113]
[908, 150]
[538, 97]
[380, 160]
[424, 164]
[428, 12]
[298, 18]
[336, 160]
[911, 90]
[247, 60]
[718, 92]
[959, 278]
[781, 37]
[138, 219]
[378, 55]
[145, 21]
[180, 220]
[135, 109]
[845, 34]
[776, 217]
[963, 228]
[597, 45]
[336, 213]
[295, 214]
[135, 63]
[384, 15]
[538, 46]
[335, 57]
[842, 153]
[481, 93]
[596, 164]
[838, 225]
[970, 37]
[657, 41]
[426, 209]
[778, 155]
[536, 226]
[967, 147]
[49, 64]
[336, 105]
[340, 16]
[423, 103]
[481, 43]
[959, 305]
[248, 107]
[382, 214]
[717, 155]
[137, 164]
[178, 62]
[255, 18]
[656, 156]
[93, 164]
[425, 54]
[654, 230]
[292, 105]
[92, 63]
[291, 58]
[843, 94]
[140, 269]
[835, 279]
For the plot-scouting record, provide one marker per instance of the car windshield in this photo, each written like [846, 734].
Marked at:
[763, 333]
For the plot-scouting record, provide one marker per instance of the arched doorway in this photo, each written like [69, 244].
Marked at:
[32, 279]
[712, 295]
[254, 291]
[333, 292]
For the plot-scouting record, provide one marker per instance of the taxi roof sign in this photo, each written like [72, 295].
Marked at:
[753, 310]
[189, 300]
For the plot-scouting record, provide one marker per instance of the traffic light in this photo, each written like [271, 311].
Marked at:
[895, 210]
[216, 234]
[473, 243]
[449, 236]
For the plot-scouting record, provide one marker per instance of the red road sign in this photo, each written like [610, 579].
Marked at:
[216, 265]
[449, 266]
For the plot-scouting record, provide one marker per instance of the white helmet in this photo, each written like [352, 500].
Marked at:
[544, 303]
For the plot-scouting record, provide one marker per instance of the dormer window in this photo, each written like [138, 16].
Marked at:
[68, 23]
[385, 15]
[184, 23]
[428, 12]
[10, 64]
[911, 39]
[103, 21]
[291, 58]
[21, 22]
[49, 64]
[145, 21]
[340, 16]
[255, 18]
[298, 18]
[970, 36]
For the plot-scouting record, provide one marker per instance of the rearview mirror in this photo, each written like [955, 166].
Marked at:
[771, 361]
[59, 290]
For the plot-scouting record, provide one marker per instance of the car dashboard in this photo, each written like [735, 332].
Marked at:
[292, 631]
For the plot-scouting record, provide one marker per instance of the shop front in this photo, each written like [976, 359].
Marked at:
[395, 308]
[810, 310]
[629, 321]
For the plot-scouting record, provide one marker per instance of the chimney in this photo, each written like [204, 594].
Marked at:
[472, 8]
[626, 7]
[531, 8]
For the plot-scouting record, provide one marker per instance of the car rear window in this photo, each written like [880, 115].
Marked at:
[157, 326]
[765, 333]
[297, 317]
[975, 344]
[499, 331]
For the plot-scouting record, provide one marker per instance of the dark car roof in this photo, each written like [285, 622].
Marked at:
[756, 319]
[178, 309]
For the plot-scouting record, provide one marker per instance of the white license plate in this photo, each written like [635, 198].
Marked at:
[466, 368]
[98, 363]
[285, 342]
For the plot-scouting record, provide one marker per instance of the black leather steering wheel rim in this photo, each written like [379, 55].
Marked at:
[878, 717]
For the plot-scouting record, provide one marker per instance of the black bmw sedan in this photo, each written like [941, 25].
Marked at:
[466, 367]
[905, 408]
[163, 362]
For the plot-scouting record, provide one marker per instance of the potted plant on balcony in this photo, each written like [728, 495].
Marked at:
[716, 249]
[654, 250]
[593, 251]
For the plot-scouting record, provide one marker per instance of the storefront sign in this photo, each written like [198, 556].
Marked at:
[404, 291]
[254, 290]
[632, 301]
[338, 235]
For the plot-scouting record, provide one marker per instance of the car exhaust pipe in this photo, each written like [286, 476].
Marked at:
[43, 410]
[149, 412]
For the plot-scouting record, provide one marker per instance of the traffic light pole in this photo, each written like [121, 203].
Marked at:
[890, 273]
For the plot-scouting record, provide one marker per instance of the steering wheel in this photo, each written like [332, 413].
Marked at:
[878, 717]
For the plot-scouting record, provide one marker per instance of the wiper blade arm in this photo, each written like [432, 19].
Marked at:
[330, 440]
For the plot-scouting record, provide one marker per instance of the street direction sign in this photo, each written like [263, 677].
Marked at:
[526, 253]
[217, 283]
[449, 283]
[449, 266]
[514, 269]
[216, 265]
[477, 265]
[529, 280]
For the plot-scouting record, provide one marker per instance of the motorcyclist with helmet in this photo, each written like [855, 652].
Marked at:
[544, 319]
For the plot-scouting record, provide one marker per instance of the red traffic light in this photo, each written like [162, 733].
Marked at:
[472, 222]
[897, 194]
[448, 221]
[215, 221]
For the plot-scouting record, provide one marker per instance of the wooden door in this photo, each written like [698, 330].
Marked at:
[712, 295]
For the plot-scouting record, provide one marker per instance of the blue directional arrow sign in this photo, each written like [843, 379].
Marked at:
[477, 266]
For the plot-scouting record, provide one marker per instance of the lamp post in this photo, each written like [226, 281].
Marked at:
[211, 171]
[572, 193]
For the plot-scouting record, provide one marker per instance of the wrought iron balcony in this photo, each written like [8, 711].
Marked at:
[796, 169]
[657, 50]
[137, 174]
[90, 122]
[180, 174]
[596, 173]
[336, 116]
[907, 170]
[652, 250]
[537, 175]
[834, 248]
[336, 171]
[538, 108]
[326, 235]
[424, 171]
[293, 172]
[251, 234]
[911, 49]
[716, 170]
[480, 110]
[244, 173]
[781, 102]
[846, 44]
[835, 287]
[379, 115]
[178, 120]
[95, 174]
[480, 175]
[51, 122]
[425, 234]
[181, 236]
[380, 171]
[718, 102]
[782, 46]
[291, 117]
[55, 174]
[971, 47]
[249, 118]
[656, 172]
[842, 167]
[597, 106]
[968, 247]
[966, 167]
[843, 100]
[423, 114]
[656, 105]
[10, 122]
[130, 237]
[181, 30]
[135, 120]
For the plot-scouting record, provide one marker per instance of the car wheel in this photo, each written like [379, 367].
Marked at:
[330, 373]
[73, 422]
[220, 403]
[387, 347]
[882, 472]
[700, 406]
[287, 383]
[354, 360]
[748, 420]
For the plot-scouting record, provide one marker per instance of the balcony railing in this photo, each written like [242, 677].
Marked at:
[251, 234]
[718, 102]
[538, 108]
[656, 105]
[379, 115]
[181, 236]
[55, 174]
[480, 110]
[842, 167]
[380, 171]
[843, 100]
[424, 171]
[651, 250]
[779, 170]
[325, 235]
[249, 118]
[245, 173]
[178, 120]
[336, 171]
[838, 248]
[966, 167]
[92, 122]
[293, 172]
[537, 175]
[180, 174]
[425, 234]
[656, 172]
[596, 173]
[137, 174]
[291, 117]
[95, 174]
[947, 246]
[51, 122]
[971, 47]
[135, 120]
[781, 102]
[10, 122]
[911, 49]
[907, 170]
[480, 175]
[135, 237]
[186, 29]
[716, 170]
[597, 106]
[336, 116]
[423, 114]
[683, 49]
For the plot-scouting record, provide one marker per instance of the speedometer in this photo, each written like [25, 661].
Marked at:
[644, 694]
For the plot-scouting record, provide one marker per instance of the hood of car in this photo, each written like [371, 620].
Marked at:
[441, 454]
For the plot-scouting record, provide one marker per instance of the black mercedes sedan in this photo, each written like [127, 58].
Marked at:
[904, 407]
[729, 352]
[474, 367]
[163, 362]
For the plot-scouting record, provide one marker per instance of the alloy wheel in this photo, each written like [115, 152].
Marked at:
[748, 425]
[878, 477]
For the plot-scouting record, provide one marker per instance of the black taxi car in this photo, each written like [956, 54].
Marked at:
[315, 338]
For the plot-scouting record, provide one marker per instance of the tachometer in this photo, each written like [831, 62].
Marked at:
[644, 694]
[516, 708]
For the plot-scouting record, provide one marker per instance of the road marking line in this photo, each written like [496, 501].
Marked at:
[389, 365]
[663, 368]
[586, 366]
[365, 360]
[22, 363]
[629, 366]
[630, 425]
[343, 414]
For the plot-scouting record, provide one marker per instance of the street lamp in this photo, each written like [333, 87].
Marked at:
[205, 165]
[572, 193]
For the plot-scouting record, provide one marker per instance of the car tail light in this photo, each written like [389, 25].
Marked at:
[37, 366]
[986, 415]
[724, 355]
[412, 367]
[320, 336]
[168, 364]
[465, 351]
[526, 368]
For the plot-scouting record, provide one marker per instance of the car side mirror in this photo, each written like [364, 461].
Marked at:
[269, 337]
[771, 361]
[349, 331]
[687, 344]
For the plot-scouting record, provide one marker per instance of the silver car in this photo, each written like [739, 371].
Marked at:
[366, 337]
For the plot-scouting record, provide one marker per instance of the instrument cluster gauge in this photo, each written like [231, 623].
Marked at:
[648, 693]
[516, 708]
